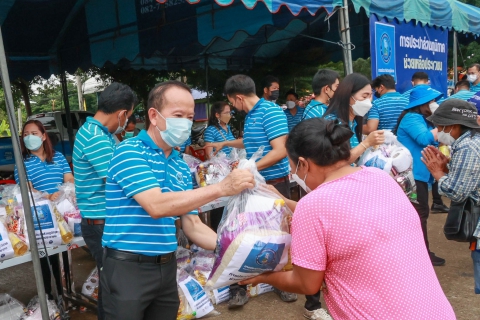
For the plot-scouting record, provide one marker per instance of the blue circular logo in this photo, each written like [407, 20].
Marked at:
[179, 177]
[266, 257]
[385, 48]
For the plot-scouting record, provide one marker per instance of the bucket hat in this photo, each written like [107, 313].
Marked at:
[455, 111]
[421, 95]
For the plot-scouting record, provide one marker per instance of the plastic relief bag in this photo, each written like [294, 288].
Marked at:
[10, 308]
[66, 204]
[194, 302]
[6, 249]
[253, 236]
[90, 286]
[34, 313]
[214, 170]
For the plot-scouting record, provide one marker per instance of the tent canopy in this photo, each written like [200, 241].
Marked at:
[47, 36]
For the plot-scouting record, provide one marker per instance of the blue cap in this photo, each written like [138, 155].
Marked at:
[421, 95]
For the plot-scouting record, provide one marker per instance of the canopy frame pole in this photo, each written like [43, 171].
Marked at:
[22, 177]
[455, 58]
[206, 84]
[345, 37]
[66, 103]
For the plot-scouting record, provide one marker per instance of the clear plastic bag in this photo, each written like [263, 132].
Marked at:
[66, 205]
[202, 265]
[10, 308]
[214, 170]
[34, 313]
[90, 286]
[253, 236]
[194, 302]
[235, 156]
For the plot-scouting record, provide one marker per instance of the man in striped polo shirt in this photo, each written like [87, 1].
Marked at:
[473, 76]
[293, 112]
[93, 149]
[387, 107]
[148, 187]
[265, 126]
[324, 84]
[462, 92]
[419, 78]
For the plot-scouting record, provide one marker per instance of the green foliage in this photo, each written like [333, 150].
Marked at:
[475, 3]
[5, 129]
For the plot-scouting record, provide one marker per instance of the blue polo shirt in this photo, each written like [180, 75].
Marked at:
[294, 120]
[462, 95]
[315, 109]
[218, 134]
[45, 176]
[186, 144]
[475, 87]
[264, 123]
[387, 109]
[92, 152]
[138, 164]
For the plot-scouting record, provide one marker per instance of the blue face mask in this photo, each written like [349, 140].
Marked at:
[32, 142]
[128, 134]
[177, 130]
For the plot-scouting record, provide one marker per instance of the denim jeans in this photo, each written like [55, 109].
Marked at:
[476, 269]
[92, 234]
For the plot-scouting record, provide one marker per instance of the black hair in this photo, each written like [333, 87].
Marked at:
[323, 77]
[156, 97]
[465, 129]
[475, 65]
[132, 119]
[340, 103]
[462, 84]
[115, 97]
[386, 80]
[411, 110]
[217, 107]
[239, 84]
[325, 142]
[268, 81]
[420, 75]
[291, 91]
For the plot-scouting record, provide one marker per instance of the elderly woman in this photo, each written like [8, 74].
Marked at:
[459, 178]
[366, 237]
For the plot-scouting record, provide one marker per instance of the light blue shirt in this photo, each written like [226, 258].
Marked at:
[264, 123]
[92, 152]
[293, 120]
[138, 165]
[218, 134]
[186, 144]
[45, 176]
[475, 87]
[387, 109]
[315, 109]
[462, 95]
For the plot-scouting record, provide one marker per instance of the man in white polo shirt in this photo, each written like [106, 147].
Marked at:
[148, 187]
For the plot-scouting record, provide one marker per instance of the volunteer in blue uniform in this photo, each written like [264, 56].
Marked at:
[419, 78]
[415, 132]
[462, 91]
[473, 76]
[92, 152]
[294, 112]
[351, 102]
[324, 84]
[218, 129]
[46, 169]
[387, 107]
[265, 126]
[148, 186]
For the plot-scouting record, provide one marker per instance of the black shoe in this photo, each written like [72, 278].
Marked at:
[238, 299]
[439, 208]
[436, 261]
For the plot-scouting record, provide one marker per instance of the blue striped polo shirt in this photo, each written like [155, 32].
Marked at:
[216, 134]
[45, 176]
[315, 109]
[462, 95]
[92, 152]
[475, 87]
[387, 109]
[138, 164]
[294, 120]
[264, 123]
[186, 144]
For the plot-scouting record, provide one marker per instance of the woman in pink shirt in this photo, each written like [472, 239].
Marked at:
[355, 235]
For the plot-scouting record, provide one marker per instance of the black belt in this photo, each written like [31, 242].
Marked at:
[128, 256]
[278, 180]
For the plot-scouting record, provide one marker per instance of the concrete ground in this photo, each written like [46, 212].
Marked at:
[456, 278]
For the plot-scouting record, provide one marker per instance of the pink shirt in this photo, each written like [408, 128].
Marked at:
[363, 231]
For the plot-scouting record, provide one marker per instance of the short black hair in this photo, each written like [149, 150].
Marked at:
[291, 91]
[420, 75]
[132, 119]
[325, 142]
[386, 80]
[462, 84]
[115, 97]
[239, 84]
[156, 97]
[476, 65]
[269, 80]
[323, 77]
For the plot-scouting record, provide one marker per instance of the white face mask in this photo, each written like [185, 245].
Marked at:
[433, 107]
[360, 108]
[445, 137]
[472, 77]
[290, 104]
[120, 128]
[299, 181]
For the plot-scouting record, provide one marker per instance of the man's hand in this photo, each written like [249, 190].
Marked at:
[435, 161]
[237, 181]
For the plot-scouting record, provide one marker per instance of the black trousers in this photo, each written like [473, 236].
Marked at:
[423, 208]
[47, 278]
[437, 198]
[137, 291]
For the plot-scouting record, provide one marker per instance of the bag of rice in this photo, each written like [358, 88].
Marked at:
[253, 236]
